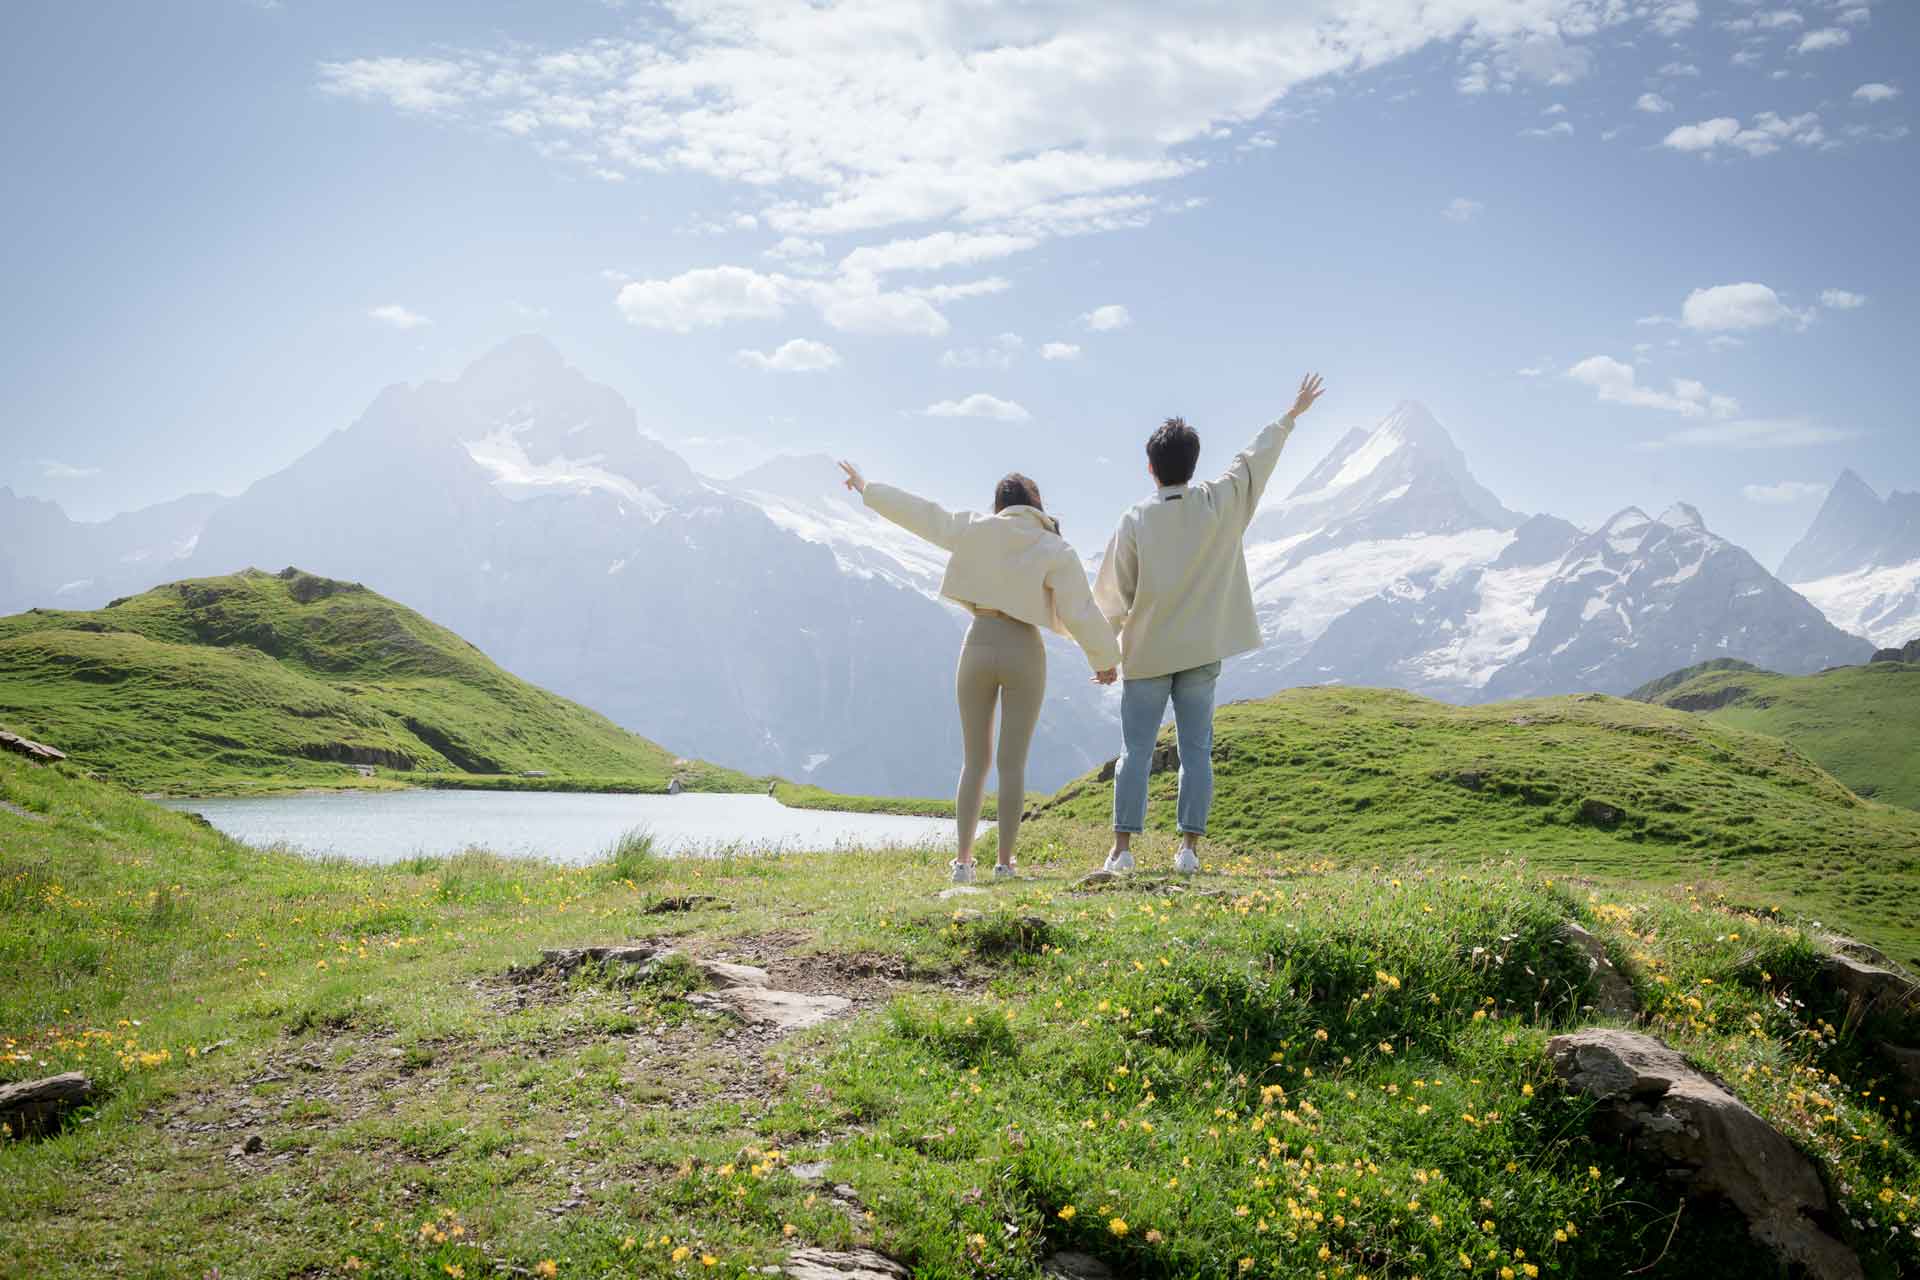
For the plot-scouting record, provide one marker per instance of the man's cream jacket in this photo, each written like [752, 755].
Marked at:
[1015, 562]
[1174, 579]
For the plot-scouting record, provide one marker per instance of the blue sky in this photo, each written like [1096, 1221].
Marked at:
[1627, 251]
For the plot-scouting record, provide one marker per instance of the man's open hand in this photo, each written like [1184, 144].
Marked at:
[855, 481]
[1311, 389]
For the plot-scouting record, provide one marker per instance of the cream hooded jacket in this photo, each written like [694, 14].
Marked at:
[1015, 562]
[1174, 578]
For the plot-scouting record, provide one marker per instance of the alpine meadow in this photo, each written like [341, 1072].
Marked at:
[959, 640]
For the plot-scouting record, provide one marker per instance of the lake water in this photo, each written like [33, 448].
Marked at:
[387, 826]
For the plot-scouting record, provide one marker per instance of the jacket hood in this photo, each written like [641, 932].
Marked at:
[1030, 516]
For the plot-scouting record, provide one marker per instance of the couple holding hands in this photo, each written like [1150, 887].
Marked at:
[1170, 601]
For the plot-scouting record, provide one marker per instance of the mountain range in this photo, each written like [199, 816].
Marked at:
[771, 624]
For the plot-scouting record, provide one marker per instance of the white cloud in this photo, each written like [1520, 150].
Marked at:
[54, 469]
[885, 313]
[1842, 299]
[1675, 70]
[1557, 109]
[1858, 15]
[411, 84]
[933, 252]
[1531, 371]
[1783, 492]
[795, 355]
[1652, 104]
[964, 289]
[1876, 92]
[797, 250]
[397, 316]
[1768, 132]
[1824, 38]
[1737, 306]
[1558, 129]
[1674, 17]
[978, 405]
[855, 116]
[1461, 209]
[996, 355]
[1111, 316]
[1754, 433]
[1617, 383]
[1059, 351]
[704, 297]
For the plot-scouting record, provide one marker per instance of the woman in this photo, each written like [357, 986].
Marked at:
[1014, 572]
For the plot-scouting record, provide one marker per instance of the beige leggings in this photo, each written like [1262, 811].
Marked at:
[1003, 663]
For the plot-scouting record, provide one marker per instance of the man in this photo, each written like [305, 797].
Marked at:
[1174, 584]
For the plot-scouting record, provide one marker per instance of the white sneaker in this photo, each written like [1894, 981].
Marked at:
[1186, 862]
[1005, 871]
[962, 871]
[1118, 861]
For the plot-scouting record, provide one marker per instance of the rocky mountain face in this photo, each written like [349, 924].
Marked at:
[772, 624]
[1860, 561]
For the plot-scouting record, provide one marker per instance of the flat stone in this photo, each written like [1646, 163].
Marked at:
[960, 891]
[784, 1010]
[1096, 878]
[722, 974]
[850, 1264]
[1068, 1265]
[8, 806]
[811, 1171]
[38, 1106]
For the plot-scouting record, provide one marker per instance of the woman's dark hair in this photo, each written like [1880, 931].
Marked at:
[1015, 490]
[1173, 451]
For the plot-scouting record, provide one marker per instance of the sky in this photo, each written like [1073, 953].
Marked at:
[1628, 251]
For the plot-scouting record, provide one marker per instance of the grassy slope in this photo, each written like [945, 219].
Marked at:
[1861, 723]
[1363, 1047]
[254, 681]
[1373, 773]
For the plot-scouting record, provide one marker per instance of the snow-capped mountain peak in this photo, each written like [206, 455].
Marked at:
[1405, 476]
[1860, 561]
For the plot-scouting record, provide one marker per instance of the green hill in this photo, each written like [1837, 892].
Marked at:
[1590, 783]
[260, 680]
[1861, 724]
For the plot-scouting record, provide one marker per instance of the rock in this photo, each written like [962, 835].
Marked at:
[960, 891]
[1612, 993]
[1093, 878]
[8, 806]
[851, 1264]
[810, 1172]
[1600, 813]
[251, 1145]
[1908, 652]
[1068, 1265]
[1870, 988]
[968, 916]
[564, 960]
[1853, 948]
[38, 752]
[687, 902]
[1906, 1069]
[722, 974]
[1679, 1115]
[37, 1106]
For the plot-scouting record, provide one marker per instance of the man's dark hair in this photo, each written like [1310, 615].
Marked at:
[1015, 490]
[1173, 451]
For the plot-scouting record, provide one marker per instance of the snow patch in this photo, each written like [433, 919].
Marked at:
[1882, 604]
[504, 458]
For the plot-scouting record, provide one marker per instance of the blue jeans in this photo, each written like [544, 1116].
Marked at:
[1143, 704]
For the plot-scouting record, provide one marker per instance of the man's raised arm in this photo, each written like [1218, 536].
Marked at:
[1246, 477]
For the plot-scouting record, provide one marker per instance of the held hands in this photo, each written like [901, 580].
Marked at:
[1311, 389]
[854, 481]
[1106, 677]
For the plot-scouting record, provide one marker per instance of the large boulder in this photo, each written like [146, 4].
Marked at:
[1691, 1123]
[849, 1264]
[31, 1107]
[1870, 988]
